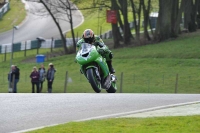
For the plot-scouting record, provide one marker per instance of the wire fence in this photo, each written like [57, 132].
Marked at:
[126, 83]
[160, 83]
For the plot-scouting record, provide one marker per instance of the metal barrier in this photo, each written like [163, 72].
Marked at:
[34, 44]
[4, 9]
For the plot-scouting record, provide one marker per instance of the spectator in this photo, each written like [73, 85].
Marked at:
[17, 75]
[13, 77]
[50, 77]
[10, 79]
[35, 79]
[42, 73]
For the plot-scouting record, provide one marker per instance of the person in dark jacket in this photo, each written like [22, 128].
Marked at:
[35, 79]
[13, 76]
[42, 73]
[50, 77]
[17, 75]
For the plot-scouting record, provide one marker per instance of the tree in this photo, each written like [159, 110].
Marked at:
[198, 15]
[177, 10]
[163, 27]
[115, 30]
[136, 16]
[190, 15]
[59, 10]
[117, 37]
[65, 7]
[126, 28]
[146, 18]
[57, 24]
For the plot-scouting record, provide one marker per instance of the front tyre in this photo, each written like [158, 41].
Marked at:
[96, 85]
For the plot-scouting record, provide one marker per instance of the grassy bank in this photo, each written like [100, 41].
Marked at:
[14, 16]
[147, 69]
[140, 125]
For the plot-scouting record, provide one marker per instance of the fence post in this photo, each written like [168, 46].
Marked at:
[25, 49]
[189, 80]
[163, 79]
[77, 36]
[66, 80]
[80, 76]
[12, 50]
[47, 56]
[100, 31]
[5, 53]
[148, 85]
[121, 82]
[38, 46]
[52, 44]
[3, 78]
[176, 84]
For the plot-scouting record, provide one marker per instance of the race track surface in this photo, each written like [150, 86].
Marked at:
[39, 26]
[25, 111]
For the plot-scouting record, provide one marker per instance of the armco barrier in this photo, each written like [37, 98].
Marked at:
[57, 43]
[4, 9]
[35, 44]
[16, 47]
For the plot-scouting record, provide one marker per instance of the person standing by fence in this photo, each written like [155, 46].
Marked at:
[13, 78]
[42, 73]
[17, 75]
[50, 77]
[35, 79]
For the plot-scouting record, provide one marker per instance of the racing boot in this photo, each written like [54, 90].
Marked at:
[111, 69]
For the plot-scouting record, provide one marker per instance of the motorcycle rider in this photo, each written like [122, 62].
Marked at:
[89, 37]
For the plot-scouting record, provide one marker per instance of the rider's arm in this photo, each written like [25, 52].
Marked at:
[78, 44]
[99, 42]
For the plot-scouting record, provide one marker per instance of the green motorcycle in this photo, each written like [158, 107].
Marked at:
[95, 68]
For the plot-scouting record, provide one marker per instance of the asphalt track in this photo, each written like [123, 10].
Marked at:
[36, 26]
[27, 111]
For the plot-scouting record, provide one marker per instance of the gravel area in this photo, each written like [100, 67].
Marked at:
[185, 110]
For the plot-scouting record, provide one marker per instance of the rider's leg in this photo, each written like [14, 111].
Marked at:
[109, 57]
[111, 69]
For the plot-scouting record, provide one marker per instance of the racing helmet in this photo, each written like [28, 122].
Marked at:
[88, 36]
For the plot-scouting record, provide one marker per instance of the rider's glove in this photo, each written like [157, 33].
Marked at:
[98, 44]
[101, 51]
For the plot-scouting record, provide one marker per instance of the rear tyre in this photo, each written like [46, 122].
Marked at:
[96, 85]
[113, 88]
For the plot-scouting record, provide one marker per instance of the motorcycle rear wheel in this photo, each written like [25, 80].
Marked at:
[113, 88]
[96, 85]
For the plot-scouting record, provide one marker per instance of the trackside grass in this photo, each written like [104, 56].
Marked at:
[147, 69]
[182, 124]
[14, 16]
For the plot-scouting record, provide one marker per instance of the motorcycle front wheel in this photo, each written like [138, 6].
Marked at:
[91, 75]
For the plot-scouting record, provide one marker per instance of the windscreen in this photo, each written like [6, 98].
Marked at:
[85, 47]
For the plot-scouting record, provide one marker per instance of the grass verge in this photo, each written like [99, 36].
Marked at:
[147, 69]
[14, 16]
[181, 124]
